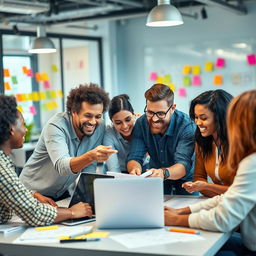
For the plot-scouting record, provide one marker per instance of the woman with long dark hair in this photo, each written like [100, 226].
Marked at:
[208, 110]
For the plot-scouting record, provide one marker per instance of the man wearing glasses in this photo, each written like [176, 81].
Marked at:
[168, 137]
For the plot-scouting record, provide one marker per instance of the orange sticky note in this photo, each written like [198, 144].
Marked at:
[186, 70]
[217, 80]
[25, 70]
[196, 70]
[7, 86]
[19, 97]
[6, 72]
[38, 77]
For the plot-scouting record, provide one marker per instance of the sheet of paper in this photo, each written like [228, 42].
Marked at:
[31, 235]
[153, 237]
[125, 175]
[183, 202]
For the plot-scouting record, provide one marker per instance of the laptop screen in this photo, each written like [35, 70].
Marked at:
[84, 189]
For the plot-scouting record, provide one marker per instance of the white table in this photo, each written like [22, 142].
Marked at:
[108, 247]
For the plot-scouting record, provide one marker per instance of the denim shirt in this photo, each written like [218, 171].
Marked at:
[176, 145]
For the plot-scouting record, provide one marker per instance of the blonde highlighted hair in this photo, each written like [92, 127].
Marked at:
[241, 123]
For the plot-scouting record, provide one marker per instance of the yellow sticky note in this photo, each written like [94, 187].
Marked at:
[54, 94]
[186, 70]
[35, 96]
[23, 96]
[30, 96]
[47, 228]
[208, 66]
[160, 80]
[45, 77]
[94, 235]
[54, 68]
[42, 95]
[20, 108]
[196, 70]
[172, 87]
[60, 93]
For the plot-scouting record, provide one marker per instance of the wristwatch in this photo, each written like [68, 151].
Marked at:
[166, 173]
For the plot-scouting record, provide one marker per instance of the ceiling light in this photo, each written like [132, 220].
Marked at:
[42, 44]
[164, 15]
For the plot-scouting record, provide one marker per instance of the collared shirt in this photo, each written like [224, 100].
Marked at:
[48, 170]
[15, 198]
[116, 162]
[175, 146]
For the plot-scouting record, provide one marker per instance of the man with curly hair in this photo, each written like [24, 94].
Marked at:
[69, 143]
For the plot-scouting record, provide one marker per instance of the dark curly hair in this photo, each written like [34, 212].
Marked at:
[217, 102]
[8, 116]
[118, 103]
[91, 93]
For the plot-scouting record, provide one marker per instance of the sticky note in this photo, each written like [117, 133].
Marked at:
[7, 86]
[39, 77]
[186, 70]
[54, 94]
[44, 107]
[48, 95]
[81, 64]
[30, 72]
[19, 97]
[217, 80]
[220, 63]
[236, 78]
[94, 235]
[182, 92]
[14, 80]
[32, 110]
[30, 96]
[160, 80]
[208, 66]
[35, 96]
[251, 59]
[42, 95]
[172, 87]
[47, 228]
[54, 68]
[186, 81]
[167, 79]
[196, 80]
[196, 70]
[60, 93]
[46, 85]
[25, 70]
[6, 72]
[45, 76]
[153, 76]
[20, 108]
[23, 96]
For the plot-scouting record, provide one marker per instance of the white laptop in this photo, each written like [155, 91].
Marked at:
[129, 203]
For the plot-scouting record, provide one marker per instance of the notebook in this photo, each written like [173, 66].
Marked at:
[84, 193]
[129, 203]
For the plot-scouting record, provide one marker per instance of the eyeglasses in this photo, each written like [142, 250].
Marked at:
[160, 114]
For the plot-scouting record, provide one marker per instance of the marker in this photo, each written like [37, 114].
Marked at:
[89, 239]
[181, 230]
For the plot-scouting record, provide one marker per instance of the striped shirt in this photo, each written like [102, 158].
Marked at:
[15, 198]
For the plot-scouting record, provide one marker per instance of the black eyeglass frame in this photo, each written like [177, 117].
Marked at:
[157, 113]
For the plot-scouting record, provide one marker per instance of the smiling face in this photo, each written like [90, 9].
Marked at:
[124, 122]
[205, 121]
[159, 125]
[87, 120]
[18, 131]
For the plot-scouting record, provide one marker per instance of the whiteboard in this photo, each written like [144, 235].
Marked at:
[237, 74]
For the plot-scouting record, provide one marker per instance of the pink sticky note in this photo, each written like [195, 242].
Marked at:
[220, 63]
[47, 85]
[251, 59]
[30, 72]
[32, 110]
[81, 64]
[182, 92]
[153, 76]
[196, 80]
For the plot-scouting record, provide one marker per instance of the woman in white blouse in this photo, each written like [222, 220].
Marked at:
[237, 206]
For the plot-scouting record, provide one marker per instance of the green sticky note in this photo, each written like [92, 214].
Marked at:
[186, 81]
[14, 80]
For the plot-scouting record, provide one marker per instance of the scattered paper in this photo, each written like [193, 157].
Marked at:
[183, 202]
[153, 237]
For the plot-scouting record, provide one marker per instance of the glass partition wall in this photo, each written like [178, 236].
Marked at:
[41, 82]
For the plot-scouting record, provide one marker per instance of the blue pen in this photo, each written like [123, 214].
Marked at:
[89, 239]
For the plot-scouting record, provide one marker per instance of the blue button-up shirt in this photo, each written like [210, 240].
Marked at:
[175, 146]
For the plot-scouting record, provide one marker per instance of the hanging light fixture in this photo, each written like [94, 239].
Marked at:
[164, 15]
[42, 44]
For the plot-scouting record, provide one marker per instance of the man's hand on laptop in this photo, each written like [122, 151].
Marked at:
[80, 210]
[102, 153]
[157, 173]
[136, 171]
[44, 199]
